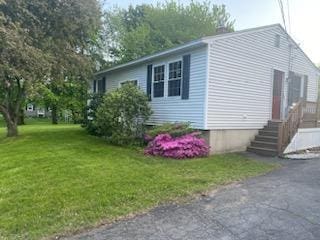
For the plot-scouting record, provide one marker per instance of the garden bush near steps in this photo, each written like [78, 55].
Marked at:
[181, 146]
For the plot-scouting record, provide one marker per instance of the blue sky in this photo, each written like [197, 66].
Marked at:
[304, 16]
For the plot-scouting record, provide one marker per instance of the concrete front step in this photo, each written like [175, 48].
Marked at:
[266, 142]
[263, 144]
[274, 123]
[271, 128]
[263, 151]
[275, 127]
[268, 133]
[266, 139]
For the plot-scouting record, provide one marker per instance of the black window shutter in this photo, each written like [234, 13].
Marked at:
[94, 86]
[186, 77]
[104, 84]
[149, 81]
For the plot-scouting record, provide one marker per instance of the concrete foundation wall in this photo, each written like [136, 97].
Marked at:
[229, 140]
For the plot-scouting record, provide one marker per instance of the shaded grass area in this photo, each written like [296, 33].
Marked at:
[29, 121]
[2, 123]
[57, 179]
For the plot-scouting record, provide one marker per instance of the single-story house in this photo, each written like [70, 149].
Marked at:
[240, 88]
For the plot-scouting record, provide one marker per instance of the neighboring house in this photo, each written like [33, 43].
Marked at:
[229, 85]
[33, 110]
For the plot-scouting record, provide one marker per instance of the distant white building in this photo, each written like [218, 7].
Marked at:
[33, 110]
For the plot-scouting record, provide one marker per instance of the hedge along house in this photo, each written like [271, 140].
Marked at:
[238, 87]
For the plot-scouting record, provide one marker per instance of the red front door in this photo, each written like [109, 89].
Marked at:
[277, 90]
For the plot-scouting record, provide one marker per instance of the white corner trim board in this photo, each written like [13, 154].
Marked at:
[305, 138]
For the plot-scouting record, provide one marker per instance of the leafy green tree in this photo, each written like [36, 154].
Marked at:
[44, 44]
[73, 38]
[22, 63]
[75, 98]
[144, 29]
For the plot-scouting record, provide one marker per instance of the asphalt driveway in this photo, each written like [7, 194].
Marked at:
[284, 205]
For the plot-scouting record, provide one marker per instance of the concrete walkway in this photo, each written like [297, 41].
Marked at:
[283, 205]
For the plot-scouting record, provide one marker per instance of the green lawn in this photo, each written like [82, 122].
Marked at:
[57, 179]
[2, 124]
[30, 121]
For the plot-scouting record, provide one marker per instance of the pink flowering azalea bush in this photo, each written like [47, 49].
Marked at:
[187, 146]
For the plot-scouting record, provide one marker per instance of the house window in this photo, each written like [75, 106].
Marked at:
[174, 80]
[134, 82]
[102, 85]
[158, 81]
[30, 107]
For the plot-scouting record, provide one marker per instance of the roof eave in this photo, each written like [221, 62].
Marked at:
[209, 39]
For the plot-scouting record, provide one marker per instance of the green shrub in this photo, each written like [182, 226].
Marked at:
[122, 115]
[90, 121]
[174, 129]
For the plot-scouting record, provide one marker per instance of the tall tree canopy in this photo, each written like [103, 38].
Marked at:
[44, 44]
[22, 62]
[144, 29]
[72, 38]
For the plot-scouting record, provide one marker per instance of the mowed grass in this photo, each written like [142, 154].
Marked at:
[57, 179]
[2, 123]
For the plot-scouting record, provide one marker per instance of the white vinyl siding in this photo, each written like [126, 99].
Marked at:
[171, 109]
[241, 77]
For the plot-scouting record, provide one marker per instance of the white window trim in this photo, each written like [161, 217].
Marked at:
[30, 107]
[167, 77]
[164, 80]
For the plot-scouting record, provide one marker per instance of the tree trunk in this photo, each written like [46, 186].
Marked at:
[12, 129]
[21, 118]
[54, 114]
[11, 105]
[11, 121]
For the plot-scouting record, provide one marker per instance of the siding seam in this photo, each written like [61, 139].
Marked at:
[206, 98]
